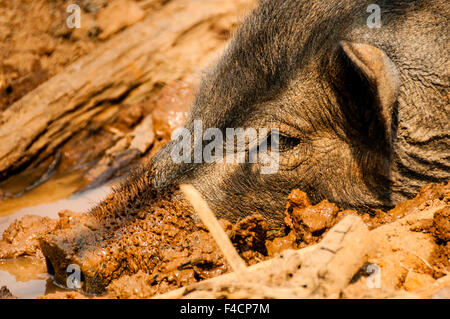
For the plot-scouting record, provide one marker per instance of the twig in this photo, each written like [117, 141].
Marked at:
[209, 219]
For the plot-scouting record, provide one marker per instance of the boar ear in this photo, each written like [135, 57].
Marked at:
[381, 75]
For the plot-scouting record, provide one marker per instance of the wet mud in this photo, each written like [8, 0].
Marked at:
[158, 244]
[425, 198]
[161, 245]
[439, 228]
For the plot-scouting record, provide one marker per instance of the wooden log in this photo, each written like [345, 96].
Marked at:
[227, 278]
[328, 270]
[127, 67]
[319, 271]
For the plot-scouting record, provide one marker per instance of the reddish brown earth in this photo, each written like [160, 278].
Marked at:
[36, 45]
[160, 246]
[163, 246]
[439, 227]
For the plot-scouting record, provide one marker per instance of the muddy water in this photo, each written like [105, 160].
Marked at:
[26, 277]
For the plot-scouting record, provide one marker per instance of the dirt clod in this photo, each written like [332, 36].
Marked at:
[310, 222]
[441, 233]
[157, 245]
[161, 240]
[427, 195]
[21, 237]
[249, 237]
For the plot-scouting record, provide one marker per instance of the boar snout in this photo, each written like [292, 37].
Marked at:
[359, 124]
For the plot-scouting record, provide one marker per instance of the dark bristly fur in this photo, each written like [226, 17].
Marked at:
[287, 67]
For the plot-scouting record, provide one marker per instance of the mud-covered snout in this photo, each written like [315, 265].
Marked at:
[233, 189]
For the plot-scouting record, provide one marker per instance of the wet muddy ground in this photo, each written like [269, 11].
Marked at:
[47, 225]
[27, 275]
[163, 246]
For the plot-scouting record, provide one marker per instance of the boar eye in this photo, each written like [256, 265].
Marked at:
[285, 143]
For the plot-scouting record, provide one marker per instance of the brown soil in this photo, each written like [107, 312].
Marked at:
[439, 227]
[308, 222]
[164, 242]
[424, 198]
[163, 246]
[161, 240]
[64, 295]
[129, 252]
[408, 252]
[36, 44]
[21, 237]
[31, 53]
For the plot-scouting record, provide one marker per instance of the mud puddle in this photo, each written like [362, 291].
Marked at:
[50, 198]
[26, 276]
[139, 243]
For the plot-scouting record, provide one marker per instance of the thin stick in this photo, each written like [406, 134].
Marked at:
[209, 219]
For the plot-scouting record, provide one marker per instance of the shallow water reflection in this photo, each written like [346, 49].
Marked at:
[27, 277]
